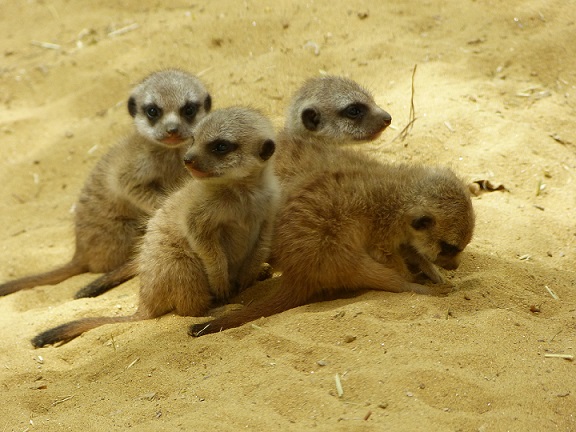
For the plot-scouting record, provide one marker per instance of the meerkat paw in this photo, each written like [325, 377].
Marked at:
[197, 330]
[266, 272]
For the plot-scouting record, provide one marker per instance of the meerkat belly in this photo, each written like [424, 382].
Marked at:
[238, 240]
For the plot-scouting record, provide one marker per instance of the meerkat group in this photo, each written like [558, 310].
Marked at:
[328, 217]
[210, 237]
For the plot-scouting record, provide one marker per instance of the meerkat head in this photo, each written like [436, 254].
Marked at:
[441, 222]
[336, 108]
[167, 105]
[231, 143]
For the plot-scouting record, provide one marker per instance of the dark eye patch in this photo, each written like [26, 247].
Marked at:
[449, 250]
[354, 111]
[222, 147]
[189, 110]
[152, 111]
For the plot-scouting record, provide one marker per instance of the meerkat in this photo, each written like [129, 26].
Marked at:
[326, 112]
[209, 238]
[130, 181]
[348, 229]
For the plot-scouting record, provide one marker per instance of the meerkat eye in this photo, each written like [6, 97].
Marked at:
[222, 147]
[354, 111]
[152, 111]
[189, 110]
[449, 250]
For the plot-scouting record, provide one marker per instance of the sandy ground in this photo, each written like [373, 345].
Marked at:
[494, 99]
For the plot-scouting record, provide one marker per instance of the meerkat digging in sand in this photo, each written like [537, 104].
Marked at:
[210, 237]
[130, 181]
[352, 229]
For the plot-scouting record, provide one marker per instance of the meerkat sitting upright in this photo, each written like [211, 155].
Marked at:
[348, 228]
[210, 237]
[130, 181]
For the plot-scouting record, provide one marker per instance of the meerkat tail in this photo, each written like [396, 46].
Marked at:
[51, 277]
[66, 332]
[107, 281]
[275, 302]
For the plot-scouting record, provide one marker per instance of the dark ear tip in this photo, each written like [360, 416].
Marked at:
[208, 103]
[267, 150]
[132, 106]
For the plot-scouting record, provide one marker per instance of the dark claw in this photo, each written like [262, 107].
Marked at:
[198, 330]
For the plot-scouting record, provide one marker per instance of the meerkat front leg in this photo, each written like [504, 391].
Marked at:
[143, 192]
[418, 263]
[215, 264]
[252, 268]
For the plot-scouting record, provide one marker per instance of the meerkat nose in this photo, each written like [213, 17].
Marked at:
[172, 129]
[387, 118]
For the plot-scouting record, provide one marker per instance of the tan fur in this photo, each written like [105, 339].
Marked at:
[131, 180]
[335, 108]
[353, 228]
[319, 117]
[326, 112]
[209, 238]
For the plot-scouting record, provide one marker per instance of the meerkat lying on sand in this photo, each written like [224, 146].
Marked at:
[353, 228]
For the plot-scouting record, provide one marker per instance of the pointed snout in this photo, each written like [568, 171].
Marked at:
[386, 118]
[451, 263]
[172, 128]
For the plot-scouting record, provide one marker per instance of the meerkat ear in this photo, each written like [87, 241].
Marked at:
[421, 220]
[132, 109]
[267, 149]
[311, 119]
[208, 103]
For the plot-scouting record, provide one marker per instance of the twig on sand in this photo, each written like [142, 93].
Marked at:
[339, 388]
[133, 363]
[412, 116]
[552, 293]
[569, 357]
[554, 337]
[47, 45]
[59, 401]
[123, 30]
[204, 71]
